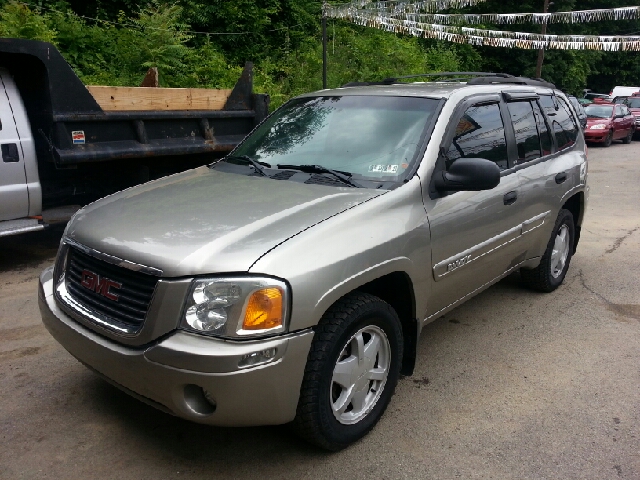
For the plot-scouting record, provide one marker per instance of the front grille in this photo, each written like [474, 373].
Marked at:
[133, 297]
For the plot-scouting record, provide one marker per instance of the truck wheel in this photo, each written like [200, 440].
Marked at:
[553, 267]
[627, 140]
[351, 373]
[609, 140]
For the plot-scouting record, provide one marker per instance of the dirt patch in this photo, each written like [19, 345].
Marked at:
[21, 333]
[20, 353]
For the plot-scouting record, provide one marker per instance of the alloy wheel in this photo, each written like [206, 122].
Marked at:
[360, 375]
[560, 251]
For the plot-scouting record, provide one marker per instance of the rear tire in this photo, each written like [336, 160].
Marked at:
[609, 140]
[627, 140]
[351, 373]
[553, 267]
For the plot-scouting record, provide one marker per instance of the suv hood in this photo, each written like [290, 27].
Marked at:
[206, 222]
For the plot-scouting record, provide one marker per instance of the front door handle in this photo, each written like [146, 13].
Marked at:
[561, 178]
[510, 198]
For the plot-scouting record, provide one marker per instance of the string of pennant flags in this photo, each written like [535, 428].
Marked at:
[419, 19]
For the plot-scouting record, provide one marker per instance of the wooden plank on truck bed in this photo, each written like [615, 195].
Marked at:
[149, 98]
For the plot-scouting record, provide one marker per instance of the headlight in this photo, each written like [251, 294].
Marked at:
[237, 307]
[600, 126]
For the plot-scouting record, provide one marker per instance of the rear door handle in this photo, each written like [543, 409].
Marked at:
[561, 178]
[510, 198]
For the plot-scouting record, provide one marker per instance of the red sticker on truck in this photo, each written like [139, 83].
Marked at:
[78, 137]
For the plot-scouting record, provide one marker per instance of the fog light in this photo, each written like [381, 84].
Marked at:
[258, 358]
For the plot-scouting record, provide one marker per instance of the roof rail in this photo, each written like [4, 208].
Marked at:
[478, 78]
[534, 82]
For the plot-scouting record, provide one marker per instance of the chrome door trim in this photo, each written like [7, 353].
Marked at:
[460, 260]
[456, 262]
[535, 222]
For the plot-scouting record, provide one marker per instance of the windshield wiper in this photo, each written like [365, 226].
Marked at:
[344, 177]
[257, 165]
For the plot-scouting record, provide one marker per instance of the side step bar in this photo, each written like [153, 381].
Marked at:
[52, 216]
[23, 225]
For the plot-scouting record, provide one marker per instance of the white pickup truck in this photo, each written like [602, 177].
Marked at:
[64, 144]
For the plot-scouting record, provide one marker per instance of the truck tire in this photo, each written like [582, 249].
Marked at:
[351, 373]
[609, 140]
[553, 267]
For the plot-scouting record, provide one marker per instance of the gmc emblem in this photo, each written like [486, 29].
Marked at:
[102, 286]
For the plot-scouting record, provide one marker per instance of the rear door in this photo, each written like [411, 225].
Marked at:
[474, 235]
[547, 180]
[14, 195]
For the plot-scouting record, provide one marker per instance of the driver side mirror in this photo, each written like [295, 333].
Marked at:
[468, 174]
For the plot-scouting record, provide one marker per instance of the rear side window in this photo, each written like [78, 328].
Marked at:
[480, 134]
[563, 125]
[524, 125]
[543, 130]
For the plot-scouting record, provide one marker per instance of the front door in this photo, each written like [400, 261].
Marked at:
[475, 236]
[14, 196]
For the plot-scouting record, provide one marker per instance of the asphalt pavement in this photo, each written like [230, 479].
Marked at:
[511, 385]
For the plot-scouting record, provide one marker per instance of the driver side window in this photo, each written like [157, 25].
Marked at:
[480, 134]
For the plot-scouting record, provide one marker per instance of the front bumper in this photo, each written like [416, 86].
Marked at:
[596, 136]
[191, 376]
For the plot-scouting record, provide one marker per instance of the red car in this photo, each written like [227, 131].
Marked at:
[633, 104]
[608, 122]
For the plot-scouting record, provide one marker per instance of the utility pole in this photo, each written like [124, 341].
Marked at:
[324, 45]
[541, 51]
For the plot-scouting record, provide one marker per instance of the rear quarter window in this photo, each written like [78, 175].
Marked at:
[563, 124]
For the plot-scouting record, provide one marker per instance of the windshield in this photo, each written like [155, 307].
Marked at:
[599, 111]
[372, 137]
[632, 102]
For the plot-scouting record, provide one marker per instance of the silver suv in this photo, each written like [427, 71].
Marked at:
[289, 282]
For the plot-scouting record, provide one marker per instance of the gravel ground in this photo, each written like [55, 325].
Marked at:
[511, 385]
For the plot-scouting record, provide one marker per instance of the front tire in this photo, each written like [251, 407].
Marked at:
[553, 267]
[351, 373]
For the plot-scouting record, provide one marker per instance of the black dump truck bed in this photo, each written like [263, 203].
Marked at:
[58, 104]
[91, 141]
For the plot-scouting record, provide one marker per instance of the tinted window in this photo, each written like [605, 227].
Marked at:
[564, 126]
[548, 105]
[633, 102]
[543, 130]
[599, 111]
[374, 137]
[480, 134]
[524, 125]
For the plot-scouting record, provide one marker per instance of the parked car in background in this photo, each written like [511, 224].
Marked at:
[593, 96]
[609, 122]
[623, 91]
[584, 101]
[633, 104]
[582, 115]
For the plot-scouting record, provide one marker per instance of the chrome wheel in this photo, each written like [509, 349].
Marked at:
[560, 251]
[360, 375]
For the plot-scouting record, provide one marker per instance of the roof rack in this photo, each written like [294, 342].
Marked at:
[478, 78]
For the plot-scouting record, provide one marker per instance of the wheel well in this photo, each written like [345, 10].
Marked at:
[397, 290]
[576, 205]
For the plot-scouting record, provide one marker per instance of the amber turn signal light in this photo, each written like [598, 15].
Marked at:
[264, 310]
